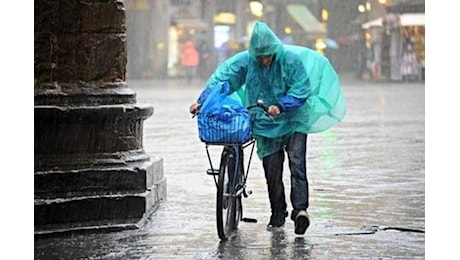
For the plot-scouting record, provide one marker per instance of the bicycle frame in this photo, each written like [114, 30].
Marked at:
[230, 180]
[213, 171]
[238, 148]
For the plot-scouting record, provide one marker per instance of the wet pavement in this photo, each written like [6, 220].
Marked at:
[367, 187]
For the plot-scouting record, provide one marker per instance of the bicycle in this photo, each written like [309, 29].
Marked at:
[230, 180]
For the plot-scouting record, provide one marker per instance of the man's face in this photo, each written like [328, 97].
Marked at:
[265, 60]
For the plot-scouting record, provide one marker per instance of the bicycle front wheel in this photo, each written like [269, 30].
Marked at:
[227, 206]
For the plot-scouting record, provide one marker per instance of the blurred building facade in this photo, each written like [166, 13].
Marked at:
[395, 41]
[147, 24]
[220, 28]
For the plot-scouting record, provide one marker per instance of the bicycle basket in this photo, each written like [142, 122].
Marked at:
[224, 127]
[223, 119]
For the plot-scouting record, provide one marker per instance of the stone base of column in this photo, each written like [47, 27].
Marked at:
[91, 172]
[107, 198]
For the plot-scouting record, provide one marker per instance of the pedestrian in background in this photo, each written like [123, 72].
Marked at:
[362, 59]
[303, 95]
[190, 59]
[409, 64]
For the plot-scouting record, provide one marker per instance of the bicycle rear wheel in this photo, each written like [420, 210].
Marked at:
[228, 207]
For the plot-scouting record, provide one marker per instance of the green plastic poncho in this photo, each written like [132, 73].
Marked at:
[295, 70]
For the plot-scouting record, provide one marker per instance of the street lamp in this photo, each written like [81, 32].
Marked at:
[324, 15]
[256, 8]
[364, 7]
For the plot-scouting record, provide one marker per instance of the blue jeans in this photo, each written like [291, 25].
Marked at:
[296, 148]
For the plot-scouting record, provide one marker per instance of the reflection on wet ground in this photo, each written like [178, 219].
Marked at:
[367, 188]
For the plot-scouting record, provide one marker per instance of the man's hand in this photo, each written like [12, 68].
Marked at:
[273, 110]
[194, 108]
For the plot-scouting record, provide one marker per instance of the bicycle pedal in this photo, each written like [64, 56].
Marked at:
[212, 172]
[250, 220]
[247, 193]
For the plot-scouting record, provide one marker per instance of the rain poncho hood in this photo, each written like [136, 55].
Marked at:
[296, 73]
[264, 42]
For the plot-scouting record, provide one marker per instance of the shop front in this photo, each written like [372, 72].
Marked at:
[182, 30]
[308, 31]
[397, 46]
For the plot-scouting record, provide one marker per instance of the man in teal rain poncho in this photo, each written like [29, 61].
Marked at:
[303, 95]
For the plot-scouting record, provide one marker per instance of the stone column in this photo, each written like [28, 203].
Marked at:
[91, 171]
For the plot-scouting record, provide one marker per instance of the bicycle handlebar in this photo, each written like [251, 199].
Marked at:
[259, 103]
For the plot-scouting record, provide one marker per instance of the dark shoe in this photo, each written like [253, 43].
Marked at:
[277, 220]
[302, 221]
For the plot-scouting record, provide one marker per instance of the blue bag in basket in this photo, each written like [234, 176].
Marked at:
[223, 119]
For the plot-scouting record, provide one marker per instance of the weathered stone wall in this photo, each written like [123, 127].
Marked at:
[80, 53]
